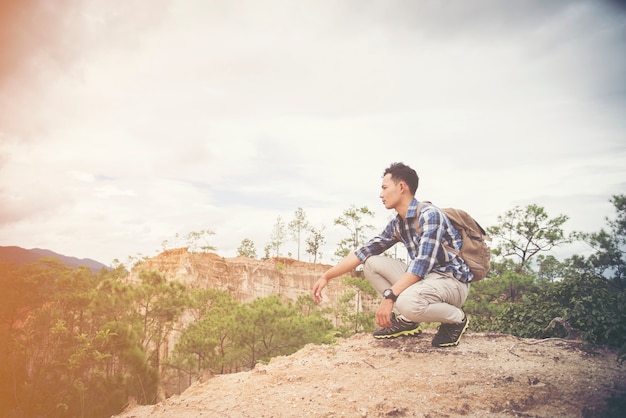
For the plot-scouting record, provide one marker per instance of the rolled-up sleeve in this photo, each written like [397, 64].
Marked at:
[378, 244]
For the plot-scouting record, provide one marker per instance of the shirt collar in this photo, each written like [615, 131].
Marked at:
[411, 212]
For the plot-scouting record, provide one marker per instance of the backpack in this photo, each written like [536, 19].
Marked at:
[474, 250]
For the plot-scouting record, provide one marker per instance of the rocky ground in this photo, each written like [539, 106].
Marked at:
[486, 375]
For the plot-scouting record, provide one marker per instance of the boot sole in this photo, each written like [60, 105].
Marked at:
[409, 333]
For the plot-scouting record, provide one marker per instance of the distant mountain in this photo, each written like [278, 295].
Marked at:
[19, 256]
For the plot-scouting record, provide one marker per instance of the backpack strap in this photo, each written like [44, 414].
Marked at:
[420, 205]
[447, 248]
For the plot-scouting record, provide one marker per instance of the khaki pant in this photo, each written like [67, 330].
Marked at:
[438, 297]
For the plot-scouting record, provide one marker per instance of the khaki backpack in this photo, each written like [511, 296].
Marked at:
[474, 251]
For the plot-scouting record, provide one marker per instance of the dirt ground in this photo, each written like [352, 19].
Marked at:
[486, 375]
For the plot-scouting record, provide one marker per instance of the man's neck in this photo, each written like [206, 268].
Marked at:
[403, 207]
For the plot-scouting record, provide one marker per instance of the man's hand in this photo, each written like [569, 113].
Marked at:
[350, 262]
[383, 314]
[319, 285]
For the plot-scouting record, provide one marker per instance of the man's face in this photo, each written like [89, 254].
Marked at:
[390, 192]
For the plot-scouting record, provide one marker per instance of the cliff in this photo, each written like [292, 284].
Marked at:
[244, 278]
[487, 375]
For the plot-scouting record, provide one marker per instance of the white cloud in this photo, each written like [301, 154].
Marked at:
[132, 124]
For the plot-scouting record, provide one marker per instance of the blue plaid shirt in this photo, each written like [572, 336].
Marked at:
[426, 251]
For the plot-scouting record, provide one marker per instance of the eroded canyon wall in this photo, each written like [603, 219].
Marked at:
[245, 278]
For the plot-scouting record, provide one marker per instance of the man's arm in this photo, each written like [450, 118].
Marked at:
[405, 281]
[349, 263]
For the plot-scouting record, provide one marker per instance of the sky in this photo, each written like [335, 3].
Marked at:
[124, 123]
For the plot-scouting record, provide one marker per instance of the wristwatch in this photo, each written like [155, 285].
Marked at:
[388, 294]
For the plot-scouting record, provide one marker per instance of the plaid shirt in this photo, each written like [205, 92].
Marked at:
[426, 251]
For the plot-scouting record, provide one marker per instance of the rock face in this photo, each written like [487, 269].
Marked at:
[245, 278]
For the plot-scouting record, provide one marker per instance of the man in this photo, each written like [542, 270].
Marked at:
[429, 288]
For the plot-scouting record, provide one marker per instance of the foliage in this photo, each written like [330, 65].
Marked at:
[246, 248]
[297, 225]
[587, 293]
[523, 233]
[266, 327]
[194, 241]
[527, 318]
[158, 303]
[207, 343]
[350, 313]
[75, 343]
[491, 297]
[67, 347]
[549, 268]
[352, 219]
[609, 259]
[585, 302]
[277, 238]
[594, 308]
[485, 301]
[307, 306]
[267, 250]
[230, 336]
[314, 242]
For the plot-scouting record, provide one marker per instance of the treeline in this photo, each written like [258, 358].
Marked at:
[532, 294]
[74, 343]
[309, 238]
[77, 343]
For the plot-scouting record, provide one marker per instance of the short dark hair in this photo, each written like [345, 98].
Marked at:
[402, 172]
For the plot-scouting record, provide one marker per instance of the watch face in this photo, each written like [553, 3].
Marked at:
[388, 294]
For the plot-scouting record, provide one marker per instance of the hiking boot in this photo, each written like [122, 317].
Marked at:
[449, 335]
[398, 328]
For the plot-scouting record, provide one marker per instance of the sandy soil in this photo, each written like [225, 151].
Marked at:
[486, 375]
